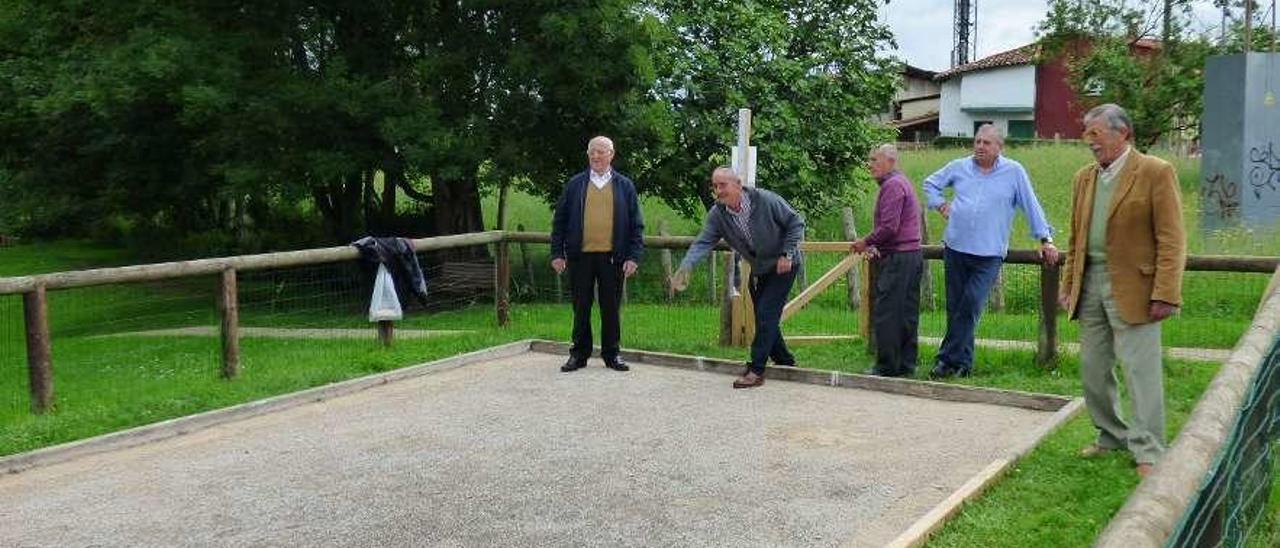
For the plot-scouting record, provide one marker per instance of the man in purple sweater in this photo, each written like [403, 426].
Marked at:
[894, 244]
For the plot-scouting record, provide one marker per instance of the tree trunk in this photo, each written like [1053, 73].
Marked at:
[369, 206]
[504, 196]
[392, 177]
[339, 205]
[352, 192]
[456, 210]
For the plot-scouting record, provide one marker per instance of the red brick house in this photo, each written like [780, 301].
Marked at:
[1022, 93]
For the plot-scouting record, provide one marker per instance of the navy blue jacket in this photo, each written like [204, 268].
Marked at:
[628, 223]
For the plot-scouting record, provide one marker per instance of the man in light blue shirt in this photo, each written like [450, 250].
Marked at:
[986, 189]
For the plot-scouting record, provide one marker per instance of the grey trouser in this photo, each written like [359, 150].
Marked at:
[1104, 337]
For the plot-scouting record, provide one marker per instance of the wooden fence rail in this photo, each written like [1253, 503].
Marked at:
[34, 288]
[1152, 512]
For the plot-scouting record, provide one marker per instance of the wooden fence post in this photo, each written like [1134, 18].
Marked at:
[995, 301]
[711, 278]
[853, 277]
[744, 309]
[1047, 354]
[35, 308]
[528, 263]
[502, 284]
[229, 310]
[726, 304]
[929, 299]
[386, 332]
[665, 257]
[871, 272]
[802, 277]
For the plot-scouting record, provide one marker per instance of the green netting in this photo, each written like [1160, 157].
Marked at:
[1236, 491]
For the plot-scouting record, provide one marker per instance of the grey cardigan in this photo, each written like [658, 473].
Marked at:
[776, 229]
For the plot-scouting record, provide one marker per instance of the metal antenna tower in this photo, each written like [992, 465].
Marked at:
[964, 46]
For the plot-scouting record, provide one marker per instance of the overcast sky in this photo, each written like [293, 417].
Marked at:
[923, 27]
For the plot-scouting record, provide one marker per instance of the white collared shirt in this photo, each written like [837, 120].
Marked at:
[601, 179]
[1108, 174]
[742, 218]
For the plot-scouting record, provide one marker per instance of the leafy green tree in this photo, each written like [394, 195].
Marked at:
[197, 115]
[203, 118]
[86, 119]
[1161, 88]
[517, 89]
[808, 70]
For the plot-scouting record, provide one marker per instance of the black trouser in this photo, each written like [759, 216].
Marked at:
[897, 312]
[585, 274]
[769, 294]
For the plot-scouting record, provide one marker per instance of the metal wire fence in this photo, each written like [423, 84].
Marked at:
[125, 354]
[132, 353]
[655, 318]
[14, 399]
[1238, 487]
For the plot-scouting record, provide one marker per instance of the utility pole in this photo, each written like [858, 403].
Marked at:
[1168, 22]
[1222, 29]
[1248, 25]
[965, 33]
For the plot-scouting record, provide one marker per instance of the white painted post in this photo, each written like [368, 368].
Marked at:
[744, 164]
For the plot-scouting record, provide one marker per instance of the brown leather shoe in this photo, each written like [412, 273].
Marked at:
[748, 380]
[1144, 469]
[1094, 450]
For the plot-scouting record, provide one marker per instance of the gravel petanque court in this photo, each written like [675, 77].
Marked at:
[511, 452]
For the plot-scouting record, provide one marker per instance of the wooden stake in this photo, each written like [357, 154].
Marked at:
[1047, 354]
[502, 284]
[386, 332]
[854, 277]
[726, 304]
[39, 356]
[229, 310]
[665, 257]
[528, 263]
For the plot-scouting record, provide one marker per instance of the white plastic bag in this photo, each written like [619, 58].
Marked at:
[385, 304]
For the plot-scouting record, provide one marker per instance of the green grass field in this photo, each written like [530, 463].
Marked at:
[1051, 168]
[1052, 498]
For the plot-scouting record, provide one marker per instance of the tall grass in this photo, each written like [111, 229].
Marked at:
[1051, 167]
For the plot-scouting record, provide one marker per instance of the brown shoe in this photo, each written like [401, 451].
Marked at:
[1094, 450]
[748, 380]
[1144, 469]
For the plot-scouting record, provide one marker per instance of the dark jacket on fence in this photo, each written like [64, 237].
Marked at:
[401, 261]
[628, 223]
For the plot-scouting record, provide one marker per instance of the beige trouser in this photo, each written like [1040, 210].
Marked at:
[1104, 336]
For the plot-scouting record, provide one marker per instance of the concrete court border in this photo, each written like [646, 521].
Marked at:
[180, 426]
[1063, 408]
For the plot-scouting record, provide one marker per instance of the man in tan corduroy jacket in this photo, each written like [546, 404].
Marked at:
[1123, 275]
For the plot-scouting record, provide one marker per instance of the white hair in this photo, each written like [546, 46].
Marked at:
[1117, 119]
[993, 130]
[601, 140]
[888, 150]
[726, 170]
